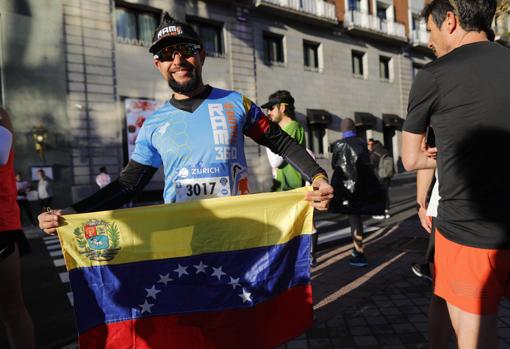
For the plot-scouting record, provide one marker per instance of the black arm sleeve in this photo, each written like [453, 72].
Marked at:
[133, 178]
[294, 153]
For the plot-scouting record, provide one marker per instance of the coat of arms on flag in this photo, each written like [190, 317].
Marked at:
[218, 273]
[98, 240]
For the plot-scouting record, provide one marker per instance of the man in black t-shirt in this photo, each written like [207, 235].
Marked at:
[464, 96]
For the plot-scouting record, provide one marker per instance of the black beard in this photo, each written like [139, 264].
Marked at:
[186, 87]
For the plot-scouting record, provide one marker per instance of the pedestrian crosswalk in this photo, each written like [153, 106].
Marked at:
[53, 246]
[56, 253]
[59, 262]
[64, 277]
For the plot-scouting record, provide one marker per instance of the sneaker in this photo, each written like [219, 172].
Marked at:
[359, 260]
[378, 217]
[422, 271]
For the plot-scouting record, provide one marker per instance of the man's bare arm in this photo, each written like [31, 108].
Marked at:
[413, 156]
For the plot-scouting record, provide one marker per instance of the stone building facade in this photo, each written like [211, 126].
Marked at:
[69, 65]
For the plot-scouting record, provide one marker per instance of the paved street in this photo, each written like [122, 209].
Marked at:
[381, 306]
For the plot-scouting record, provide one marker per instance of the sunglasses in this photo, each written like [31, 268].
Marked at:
[184, 50]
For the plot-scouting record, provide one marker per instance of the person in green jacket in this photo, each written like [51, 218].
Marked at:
[281, 111]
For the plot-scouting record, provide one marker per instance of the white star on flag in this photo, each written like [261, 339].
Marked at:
[146, 307]
[200, 267]
[164, 279]
[218, 272]
[152, 292]
[234, 282]
[246, 296]
[181, 270]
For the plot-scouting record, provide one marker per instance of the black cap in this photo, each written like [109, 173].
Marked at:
[171, 32]
[277, 98]
[270, 103]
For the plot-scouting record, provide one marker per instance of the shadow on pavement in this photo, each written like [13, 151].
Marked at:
[338, 285]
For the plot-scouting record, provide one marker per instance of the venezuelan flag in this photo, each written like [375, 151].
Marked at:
[218, 273]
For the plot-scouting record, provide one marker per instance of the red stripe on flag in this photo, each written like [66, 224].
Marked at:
[266, 325]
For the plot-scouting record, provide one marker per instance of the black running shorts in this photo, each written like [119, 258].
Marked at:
[9, 238]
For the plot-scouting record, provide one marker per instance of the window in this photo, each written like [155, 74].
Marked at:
[381, 10]
[354, 5]
[358, 63]
[416, 21]
[136, 26]
[273, 48]
[384, 68]
[311, 55]
[317, 121]
[211, 35]
[316, 133]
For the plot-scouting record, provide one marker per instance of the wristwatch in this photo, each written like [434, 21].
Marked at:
[418, 206]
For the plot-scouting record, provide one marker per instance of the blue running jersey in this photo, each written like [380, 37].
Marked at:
[202, 152]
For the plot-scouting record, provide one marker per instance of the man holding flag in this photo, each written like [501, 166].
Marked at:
[198, 137]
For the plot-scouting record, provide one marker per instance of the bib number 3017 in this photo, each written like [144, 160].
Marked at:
[199, 189]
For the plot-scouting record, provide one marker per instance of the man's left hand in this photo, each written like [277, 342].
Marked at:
[430, 152]
[321, 195]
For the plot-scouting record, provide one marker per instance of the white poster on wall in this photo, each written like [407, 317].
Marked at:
[137, 111]
[48, 171]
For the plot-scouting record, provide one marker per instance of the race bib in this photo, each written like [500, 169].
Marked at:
[201, 188]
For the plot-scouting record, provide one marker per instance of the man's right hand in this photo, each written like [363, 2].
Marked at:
[50, 221]
[424, 219]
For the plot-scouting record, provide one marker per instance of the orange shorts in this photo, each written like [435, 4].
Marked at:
[472, 279]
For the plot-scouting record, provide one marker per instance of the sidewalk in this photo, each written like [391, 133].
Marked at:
[381, 306]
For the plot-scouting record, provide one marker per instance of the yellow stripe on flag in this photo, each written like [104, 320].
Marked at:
[184, 229]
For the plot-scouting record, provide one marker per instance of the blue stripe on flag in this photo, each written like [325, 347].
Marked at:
[202, 283]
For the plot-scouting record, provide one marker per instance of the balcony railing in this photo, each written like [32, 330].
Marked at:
[374, 23]
[319, 8]
[420, 37]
